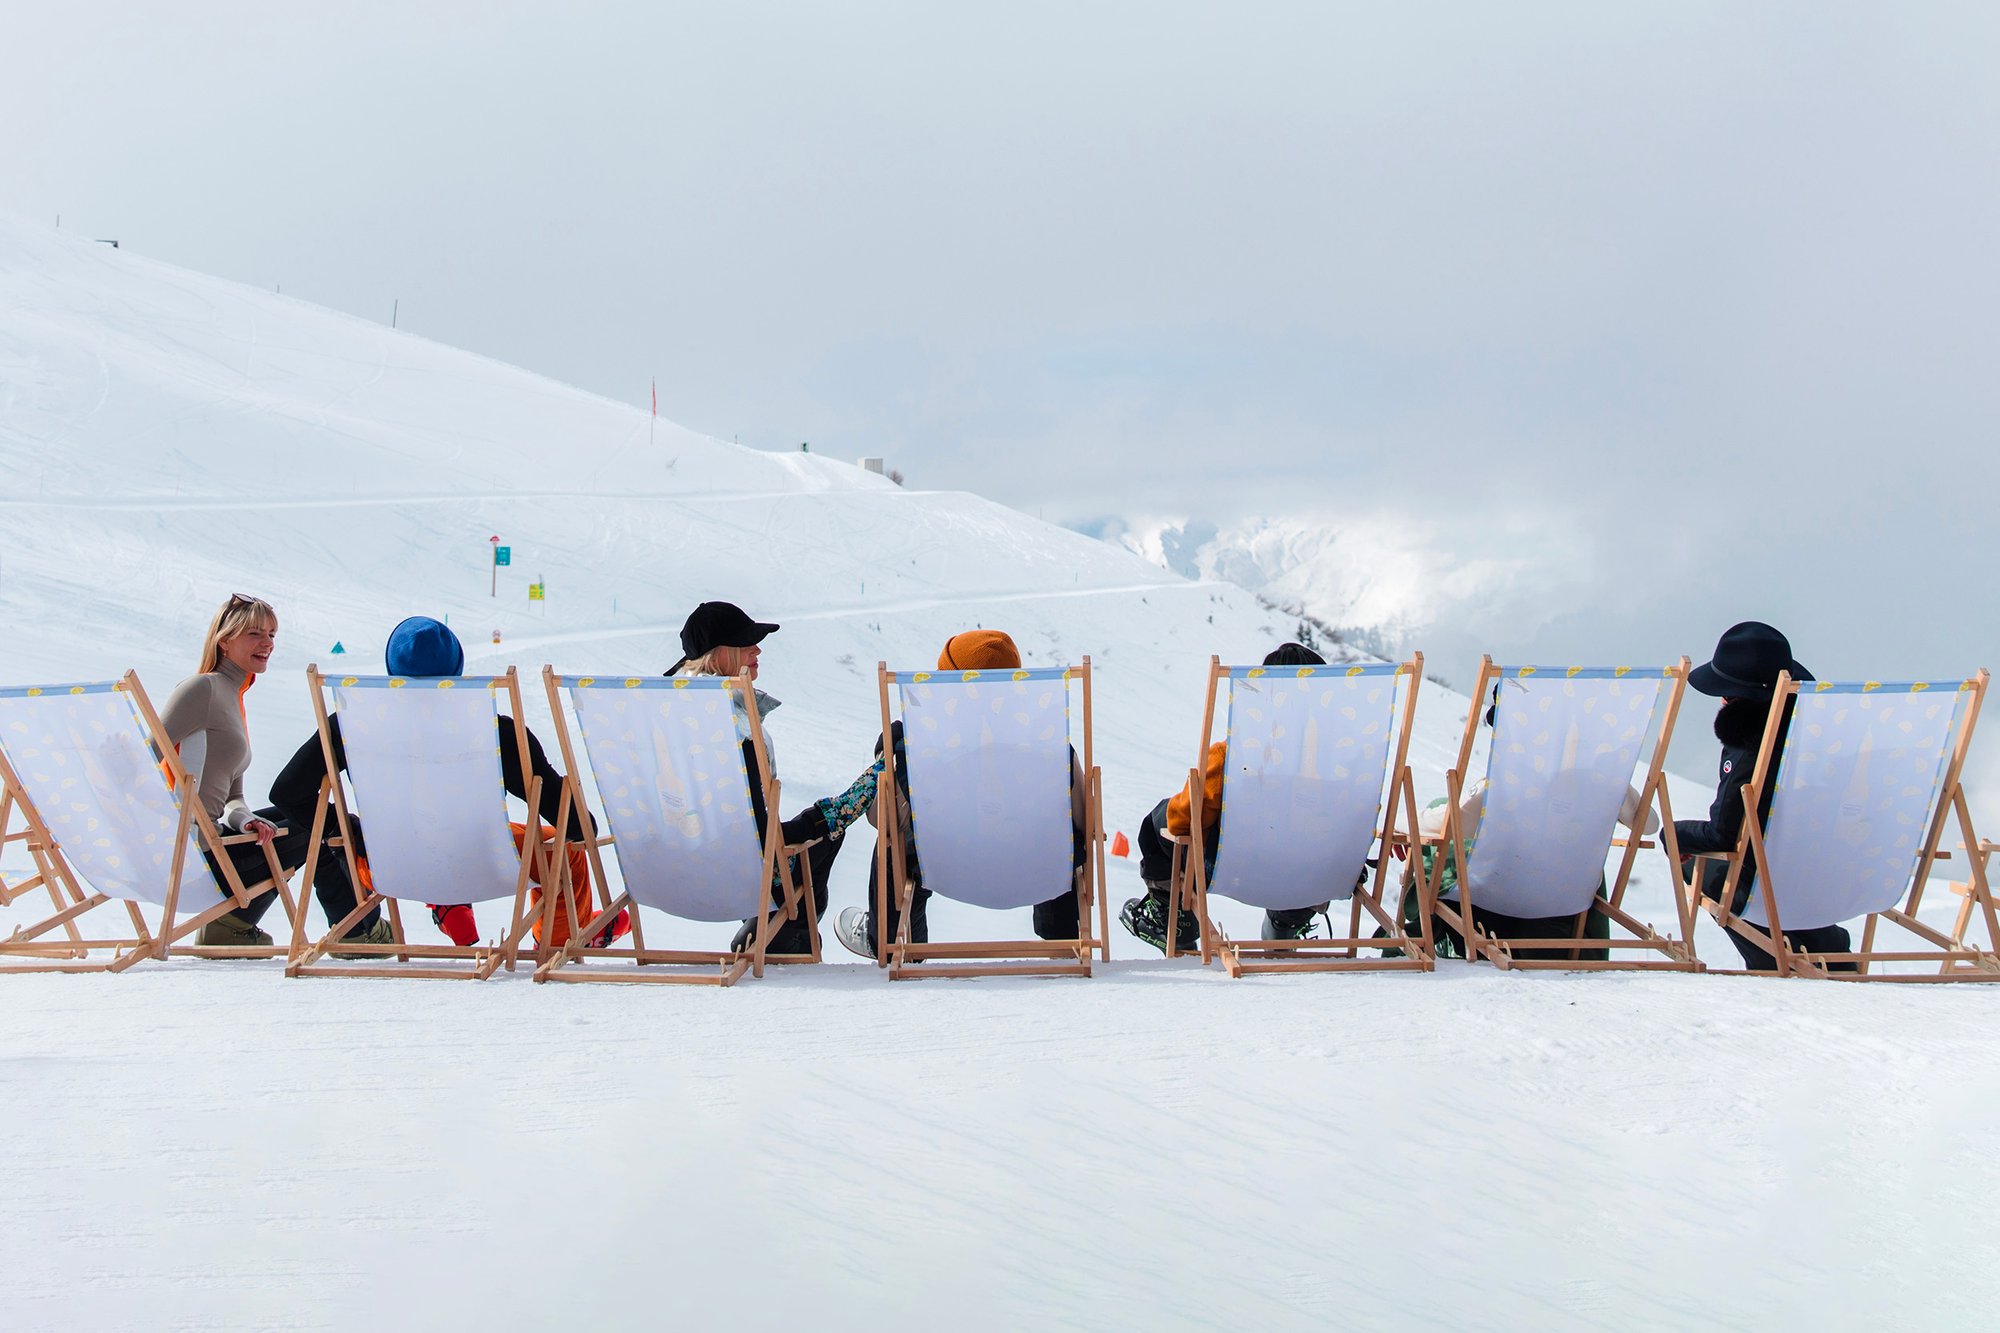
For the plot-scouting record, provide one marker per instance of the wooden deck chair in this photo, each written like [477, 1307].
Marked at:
[91, 789]
[667, 755]
[1317, 773]
[989, 774]
[1860, 794]
[424, 762]
[1981, 853]
[1565, 744]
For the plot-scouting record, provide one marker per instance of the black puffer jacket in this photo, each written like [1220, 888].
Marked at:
[1740, 728]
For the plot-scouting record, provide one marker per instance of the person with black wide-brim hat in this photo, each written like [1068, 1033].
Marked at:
[1743, 673]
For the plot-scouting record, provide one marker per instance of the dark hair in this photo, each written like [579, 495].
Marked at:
[1293, 654]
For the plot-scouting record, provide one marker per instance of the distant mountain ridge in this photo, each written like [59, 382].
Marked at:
[1384, 585]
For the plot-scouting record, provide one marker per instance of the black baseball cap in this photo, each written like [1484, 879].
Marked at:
[717, 625]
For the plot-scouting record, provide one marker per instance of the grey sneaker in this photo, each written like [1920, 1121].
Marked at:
[230, 931]
[852, 931]
[379, 933]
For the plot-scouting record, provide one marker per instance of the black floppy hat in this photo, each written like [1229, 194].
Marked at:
[1747, 660]
[717, 625]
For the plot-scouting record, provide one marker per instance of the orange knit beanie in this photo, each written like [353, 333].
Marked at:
[979, 650]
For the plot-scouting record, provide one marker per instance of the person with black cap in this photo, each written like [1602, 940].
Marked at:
[720, 639]
[1744, 674]
[1146, 917]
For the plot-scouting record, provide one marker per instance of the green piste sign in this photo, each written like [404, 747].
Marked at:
[503, 555]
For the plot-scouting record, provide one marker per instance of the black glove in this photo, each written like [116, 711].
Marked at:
[809, 825]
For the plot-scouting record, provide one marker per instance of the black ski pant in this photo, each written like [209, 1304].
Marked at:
[1596, 926]
[330, 881]
[795, 935]
[1813, 939]
[1156, 854]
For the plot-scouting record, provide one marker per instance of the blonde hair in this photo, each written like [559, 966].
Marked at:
[721, 660]
[239, 615]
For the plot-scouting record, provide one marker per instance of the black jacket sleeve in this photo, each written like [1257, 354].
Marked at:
[1740, 725]
[296, 792]
[756, 775]
[1718, 833]
[549, 801]
[902, 764]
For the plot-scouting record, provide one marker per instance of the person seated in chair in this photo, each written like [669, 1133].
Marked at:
[1442, 868]
[720, 639]
[207, 720]
[422, 648]
[1146, 917]
[1743, 673]
[1055, 919]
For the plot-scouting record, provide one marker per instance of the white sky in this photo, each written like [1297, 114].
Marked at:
[1709, 290]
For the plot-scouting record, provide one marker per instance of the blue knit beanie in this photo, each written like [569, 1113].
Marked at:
[421, 646]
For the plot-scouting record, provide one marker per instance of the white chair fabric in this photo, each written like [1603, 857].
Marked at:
[1565, 744]
[1856, 785]
[423, 757]
[674, 792]
[1303, 786]
[83, 753]
[988, 754]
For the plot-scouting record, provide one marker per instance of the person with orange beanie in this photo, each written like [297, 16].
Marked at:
[1055, 919]
[1146, 917]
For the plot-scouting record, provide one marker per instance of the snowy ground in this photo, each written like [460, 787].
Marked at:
[1155, 1147]
[209, 1145]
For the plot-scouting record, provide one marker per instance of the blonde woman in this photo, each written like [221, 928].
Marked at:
[720, 639]
[206, 719]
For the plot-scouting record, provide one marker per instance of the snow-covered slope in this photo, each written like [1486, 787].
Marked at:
[210, 1145]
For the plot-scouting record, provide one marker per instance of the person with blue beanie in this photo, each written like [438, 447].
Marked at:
[421, 647]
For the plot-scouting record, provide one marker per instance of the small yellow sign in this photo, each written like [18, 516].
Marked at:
[535, 592]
